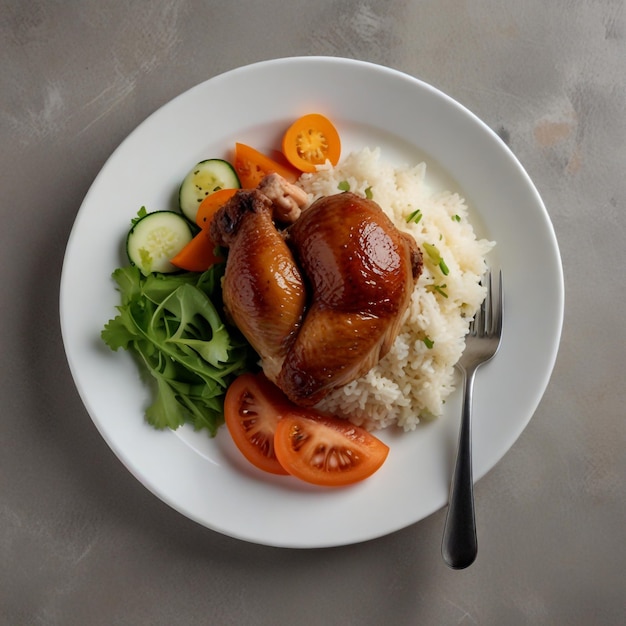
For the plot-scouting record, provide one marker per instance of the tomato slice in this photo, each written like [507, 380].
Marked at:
[252, 409]
[326, 450]
[310, 141]
[251, 166]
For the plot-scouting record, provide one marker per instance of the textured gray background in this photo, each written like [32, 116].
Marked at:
[82, 542]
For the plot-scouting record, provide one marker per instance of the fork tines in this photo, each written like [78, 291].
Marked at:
[488, 319]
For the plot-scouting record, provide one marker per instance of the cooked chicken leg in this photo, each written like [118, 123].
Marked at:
[263, 290]
[362, 271]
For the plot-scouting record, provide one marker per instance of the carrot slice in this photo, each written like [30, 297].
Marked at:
[251, 166]
[209, 206]
[310, 141]
[198, 255]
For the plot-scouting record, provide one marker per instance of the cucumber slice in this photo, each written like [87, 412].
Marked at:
[155, 239]
[205, 178]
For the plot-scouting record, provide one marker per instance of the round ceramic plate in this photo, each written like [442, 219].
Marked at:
[206, 479]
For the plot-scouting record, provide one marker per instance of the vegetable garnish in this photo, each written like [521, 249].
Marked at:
[429, 342]
[325, 450]
[456, 218]
[435, 257]
[343, 185]
[437, 288]
[204, 179]
[154, 238]
[210, 205]
[141, 213]
[279, 437]
[198, 255]
[252, 409]
[310, 141]
[415, 217]
[170, 323]
[251, 166]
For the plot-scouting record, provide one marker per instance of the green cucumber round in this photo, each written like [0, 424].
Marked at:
[155, 239]
[204, 179]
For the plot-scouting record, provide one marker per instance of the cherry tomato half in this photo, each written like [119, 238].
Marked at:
[310, 141]
[326, 450]
[252, 409]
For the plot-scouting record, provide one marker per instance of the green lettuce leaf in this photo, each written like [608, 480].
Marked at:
[172, 325]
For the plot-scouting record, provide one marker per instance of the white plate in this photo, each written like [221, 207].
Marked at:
[206, 479]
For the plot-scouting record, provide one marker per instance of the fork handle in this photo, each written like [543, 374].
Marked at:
[460, 546]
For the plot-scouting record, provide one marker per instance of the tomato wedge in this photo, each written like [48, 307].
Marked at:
[251, 166]
[326, 450]
[252, 409]
[310, 141]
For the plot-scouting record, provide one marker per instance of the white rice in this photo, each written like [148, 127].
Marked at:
[413, 380]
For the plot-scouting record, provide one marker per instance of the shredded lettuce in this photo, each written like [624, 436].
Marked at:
[172, 325]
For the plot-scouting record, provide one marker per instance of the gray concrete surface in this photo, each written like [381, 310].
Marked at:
[82, 542]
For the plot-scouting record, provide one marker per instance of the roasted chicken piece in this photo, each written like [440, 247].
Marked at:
[263, 289]
[362, 271]
[324, 307]
[288, 199]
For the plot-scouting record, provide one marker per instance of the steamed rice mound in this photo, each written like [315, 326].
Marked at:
[413, 380]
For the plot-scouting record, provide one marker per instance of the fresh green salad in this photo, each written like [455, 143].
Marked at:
[170, 315]
[170, 322]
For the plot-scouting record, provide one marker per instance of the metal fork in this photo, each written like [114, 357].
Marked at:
[459, 547]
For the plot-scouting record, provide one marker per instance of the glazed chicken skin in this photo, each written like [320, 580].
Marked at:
[263, 290]
[361, 272]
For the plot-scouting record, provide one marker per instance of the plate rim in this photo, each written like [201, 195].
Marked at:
[316, 60]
